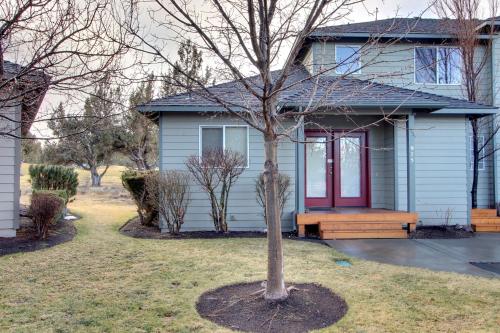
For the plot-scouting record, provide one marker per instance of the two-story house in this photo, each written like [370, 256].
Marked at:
[391, 147]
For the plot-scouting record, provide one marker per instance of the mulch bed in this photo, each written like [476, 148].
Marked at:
[441, 232]
[241, 307]
[134, 228]
[26, 240]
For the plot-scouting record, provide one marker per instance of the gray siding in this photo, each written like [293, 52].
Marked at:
[9, 175]
[440, 169]
[393, 64]
[180, 139]
[485, 186]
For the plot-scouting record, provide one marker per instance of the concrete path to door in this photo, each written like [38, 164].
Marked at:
[452, 255]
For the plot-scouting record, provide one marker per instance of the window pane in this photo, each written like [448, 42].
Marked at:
[350, 167]
[425, 65]
[316, 167]
[211, 138]
[347, 59]
[450, 62]
[236, 140]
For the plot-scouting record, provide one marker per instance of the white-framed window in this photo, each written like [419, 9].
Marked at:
[347, 59]
[481, 164]
[232, 137]
[438, 65]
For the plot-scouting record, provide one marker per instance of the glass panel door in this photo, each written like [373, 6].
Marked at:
[351, 174]
[350, 167]
[318, 160]
[316, 167]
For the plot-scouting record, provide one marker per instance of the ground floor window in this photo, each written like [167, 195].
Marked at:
[232, 137]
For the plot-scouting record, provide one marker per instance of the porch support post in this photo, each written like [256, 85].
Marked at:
[300, 171]
[410, 160]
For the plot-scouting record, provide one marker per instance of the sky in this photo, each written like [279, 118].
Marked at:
[364, 12]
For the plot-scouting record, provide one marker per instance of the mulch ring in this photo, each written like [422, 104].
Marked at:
[441, 232]
[26, 240]
[134, 228]
[242, 307]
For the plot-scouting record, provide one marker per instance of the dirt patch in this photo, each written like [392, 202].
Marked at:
[26, 240]
[134, 228]
[242, 307]
[441, 232]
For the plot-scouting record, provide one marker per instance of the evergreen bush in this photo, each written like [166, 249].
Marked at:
[54, 178]
[135, 183]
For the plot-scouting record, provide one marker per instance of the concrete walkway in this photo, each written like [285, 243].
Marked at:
[452, 255]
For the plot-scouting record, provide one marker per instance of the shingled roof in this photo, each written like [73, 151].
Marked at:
[415, 25]
[33, 82]
[327, 91]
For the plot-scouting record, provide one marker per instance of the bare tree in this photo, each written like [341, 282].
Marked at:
[216, 171]
[170, 190]
[475, 54]
[283, 190]
[246, 40]
[63, 46]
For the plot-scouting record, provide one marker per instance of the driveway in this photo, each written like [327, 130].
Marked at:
[452, 255]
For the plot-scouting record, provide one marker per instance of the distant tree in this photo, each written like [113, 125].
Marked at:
[137, 138]
[88, 141]
[190, 61]
[31, 149]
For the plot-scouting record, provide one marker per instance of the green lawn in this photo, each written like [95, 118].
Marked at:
[103, 281]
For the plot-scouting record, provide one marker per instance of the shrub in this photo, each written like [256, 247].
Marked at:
[170, 189]
[135, 183]
[283, 192]
[216, 172]
[54, 178]
[45, 210]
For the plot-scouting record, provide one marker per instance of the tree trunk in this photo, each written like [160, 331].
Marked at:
[275, 287]
[95, 177]
[475, 162]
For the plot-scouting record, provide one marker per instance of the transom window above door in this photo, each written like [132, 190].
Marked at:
[438, 65]
[231, 137]
[347, 59]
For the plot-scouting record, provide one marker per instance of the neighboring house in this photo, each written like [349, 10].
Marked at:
[417, 162]
[19, 103]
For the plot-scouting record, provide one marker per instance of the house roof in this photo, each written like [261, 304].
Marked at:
[396, 25]
[325, 91]
[34, 82]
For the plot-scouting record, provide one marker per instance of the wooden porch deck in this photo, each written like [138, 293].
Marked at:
[485, 220]
[352, 223]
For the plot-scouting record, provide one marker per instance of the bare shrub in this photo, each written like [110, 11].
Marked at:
[45, 209]
[283, 192]
[216, 172]
[170, 190]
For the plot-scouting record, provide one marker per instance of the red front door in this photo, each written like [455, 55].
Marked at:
[336, 170]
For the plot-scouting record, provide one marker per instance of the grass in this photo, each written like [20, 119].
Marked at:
[103, 281]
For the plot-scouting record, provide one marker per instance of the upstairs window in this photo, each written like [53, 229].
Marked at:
[234, 138]
[438, 65]
[347, 59]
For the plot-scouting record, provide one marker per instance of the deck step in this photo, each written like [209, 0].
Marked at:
[486, 220]
[483, 212]
[312, 218]
[486, 228]
[360, 225]
[362, 234]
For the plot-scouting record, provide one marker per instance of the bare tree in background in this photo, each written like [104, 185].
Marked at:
[63, 46]
[246, 40]
[475, 54]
